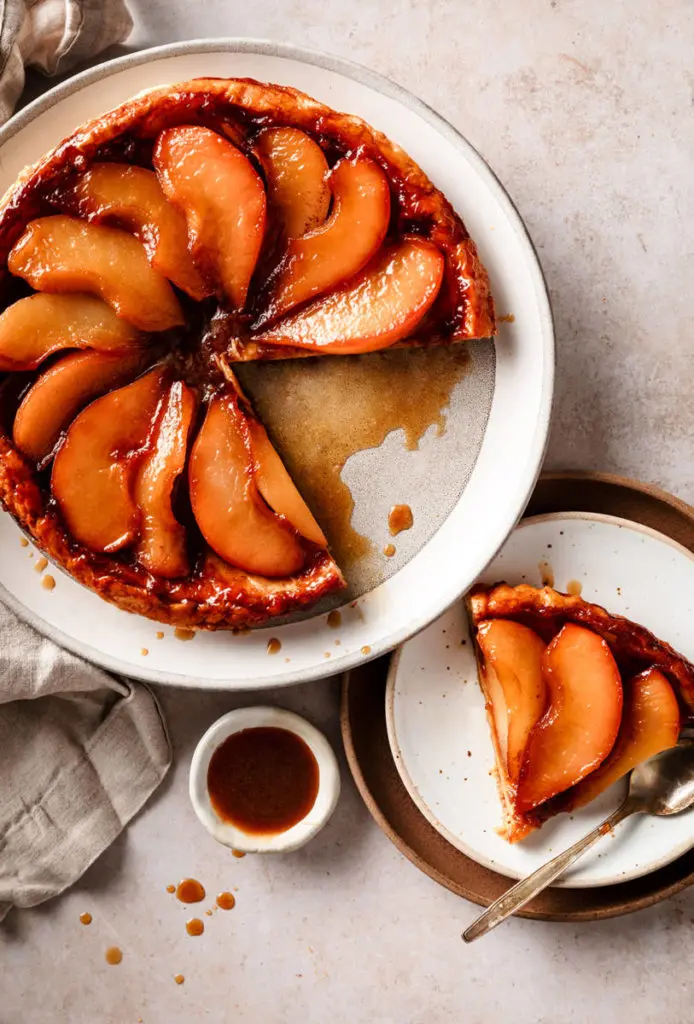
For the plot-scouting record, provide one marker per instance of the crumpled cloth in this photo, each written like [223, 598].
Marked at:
[80, 751]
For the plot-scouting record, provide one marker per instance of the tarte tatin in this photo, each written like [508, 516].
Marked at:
[191, 228]
[576, 697]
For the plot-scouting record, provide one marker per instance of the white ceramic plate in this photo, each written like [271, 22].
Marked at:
[435, 711]
[487, 500]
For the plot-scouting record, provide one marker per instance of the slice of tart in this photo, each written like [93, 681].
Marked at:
[193, 227]
[576, 698]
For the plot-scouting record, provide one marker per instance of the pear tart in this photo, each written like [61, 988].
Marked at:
[576, 698]
[190, 229]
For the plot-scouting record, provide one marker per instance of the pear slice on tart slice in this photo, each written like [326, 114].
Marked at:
[131, 197]
[223, 200]
[63, 254]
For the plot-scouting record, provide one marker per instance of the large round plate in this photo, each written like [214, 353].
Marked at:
[435, 712]
[510, 397]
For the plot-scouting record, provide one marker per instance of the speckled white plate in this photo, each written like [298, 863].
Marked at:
[435, 714]
[467, 489]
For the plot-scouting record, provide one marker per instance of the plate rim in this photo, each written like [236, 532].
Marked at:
[399, 759]
[540, 433]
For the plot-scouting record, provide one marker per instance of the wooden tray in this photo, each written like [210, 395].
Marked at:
[370, 760]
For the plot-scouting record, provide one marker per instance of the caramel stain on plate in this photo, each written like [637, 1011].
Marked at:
[574, 587]
[226, 901]
[195, 926]
[144, 652]
[190, 891]
[334, 619]
[86, 918]
[509, 318]
[23, 542]
[546, 573]
[41, 565]
[362, 400]
[113, 955]
[366, 650]
[48, 583]
[400, 518]
[159, 635]
[274, 646]
[238, 853]
[326, 654]
[171, 888]
[389, 550]
[179, 979]
[181, 633]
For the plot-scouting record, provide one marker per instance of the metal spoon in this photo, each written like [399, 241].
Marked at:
[664, 785]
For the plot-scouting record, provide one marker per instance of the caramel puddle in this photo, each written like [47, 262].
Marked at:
[334, 407]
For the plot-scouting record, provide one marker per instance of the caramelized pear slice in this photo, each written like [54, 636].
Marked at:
[93, 470]
[54, 400]
[383, 304]
[580, 725]
[233, 518]
[162, 544]
[223, 200]
[35, 327]
[278, 488]
[131, 197]
[514, 686]
[62, 254]
[651, 723]
[336, 251]
[296, 171]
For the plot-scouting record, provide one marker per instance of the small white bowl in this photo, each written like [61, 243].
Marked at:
[328, 780]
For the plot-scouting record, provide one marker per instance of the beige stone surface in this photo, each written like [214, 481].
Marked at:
[584, 110]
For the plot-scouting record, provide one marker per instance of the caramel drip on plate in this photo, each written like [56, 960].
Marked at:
[400, 519]
[195, 926]
[226, 901]
[334, 407]
[190, 891]
[113, 955]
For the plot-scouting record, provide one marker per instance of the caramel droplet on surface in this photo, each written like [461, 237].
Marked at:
[171, 888]
[41, 565]
[190, 891]
[389, 550]
[335, 619]
[181, 633]
[509, 318]
[226, 901]
[326, 654]
[86, 918]
[574, 587]
[195, 926]
[400, 519]
[144, 652]
[113, 955]
[274, 646]
[23, 542]
[179, 979]
[208, 913]
[546, 574]
[366, 650]
[159, 635]
[238, 853]
[48, 583]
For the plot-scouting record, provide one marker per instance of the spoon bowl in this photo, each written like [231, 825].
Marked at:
[665, 783]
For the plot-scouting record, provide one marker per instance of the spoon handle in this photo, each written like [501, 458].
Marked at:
[522, 892]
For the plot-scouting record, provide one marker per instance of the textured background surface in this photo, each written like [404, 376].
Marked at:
[584, 110]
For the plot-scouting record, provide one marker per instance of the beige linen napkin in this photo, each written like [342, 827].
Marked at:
[80, 751]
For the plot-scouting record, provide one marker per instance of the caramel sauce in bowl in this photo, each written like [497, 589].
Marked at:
[263, 780]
